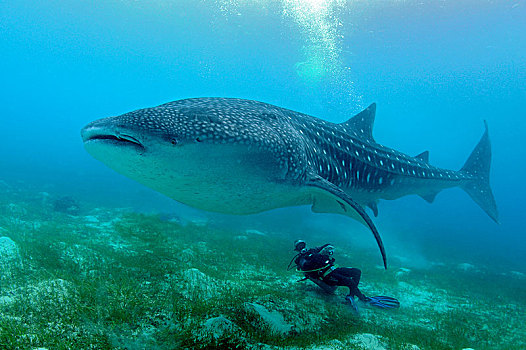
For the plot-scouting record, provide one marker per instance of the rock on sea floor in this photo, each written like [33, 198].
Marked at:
[272, 319]
[10, 260]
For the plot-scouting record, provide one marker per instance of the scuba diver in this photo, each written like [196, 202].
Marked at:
[317, 264]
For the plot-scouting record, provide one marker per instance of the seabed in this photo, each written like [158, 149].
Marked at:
[79, 277]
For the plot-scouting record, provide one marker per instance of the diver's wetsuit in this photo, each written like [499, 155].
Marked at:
[321, 267]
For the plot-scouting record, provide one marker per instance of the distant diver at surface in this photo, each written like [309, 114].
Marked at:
[318, 265]
[238, 156]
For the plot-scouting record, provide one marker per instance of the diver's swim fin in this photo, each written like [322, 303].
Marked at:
[354, 307]
[383, 302]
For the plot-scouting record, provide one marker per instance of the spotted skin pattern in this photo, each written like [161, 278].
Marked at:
[339, 153]
[240, 157]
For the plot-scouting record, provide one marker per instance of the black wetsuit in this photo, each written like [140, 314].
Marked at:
[321, 267]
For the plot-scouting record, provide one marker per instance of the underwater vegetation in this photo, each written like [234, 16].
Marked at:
[114, 279]
[66, 205]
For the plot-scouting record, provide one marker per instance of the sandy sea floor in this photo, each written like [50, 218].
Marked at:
[75, 276]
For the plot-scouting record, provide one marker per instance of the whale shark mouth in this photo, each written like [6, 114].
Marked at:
[118, 139]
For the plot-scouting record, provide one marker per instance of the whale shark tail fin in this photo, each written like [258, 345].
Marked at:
[478, 166]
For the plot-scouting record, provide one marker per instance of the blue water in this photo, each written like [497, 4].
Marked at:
[436, 69]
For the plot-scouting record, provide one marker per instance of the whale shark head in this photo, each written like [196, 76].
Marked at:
[192, 150]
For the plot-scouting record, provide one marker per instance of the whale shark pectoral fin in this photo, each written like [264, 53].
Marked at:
[329, 198]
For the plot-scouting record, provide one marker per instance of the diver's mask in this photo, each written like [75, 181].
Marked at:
[300, 246]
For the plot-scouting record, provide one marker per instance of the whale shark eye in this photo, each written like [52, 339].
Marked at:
[198, 139]
[173, 141]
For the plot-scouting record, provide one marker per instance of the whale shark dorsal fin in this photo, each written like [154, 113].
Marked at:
[423, 156]
[363, 122]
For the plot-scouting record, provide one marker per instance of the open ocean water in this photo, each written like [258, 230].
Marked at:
[90, 259]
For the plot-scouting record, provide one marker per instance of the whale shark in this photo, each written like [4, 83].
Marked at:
[239, 156]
